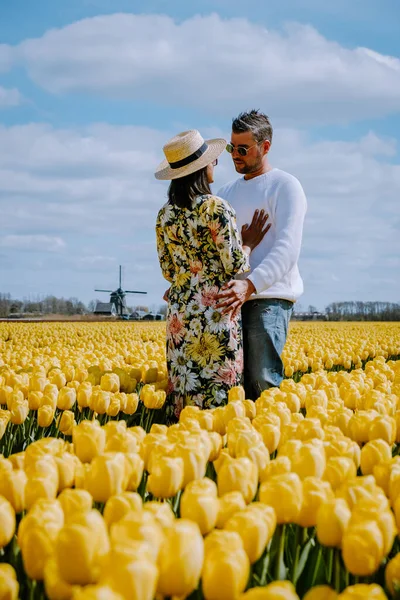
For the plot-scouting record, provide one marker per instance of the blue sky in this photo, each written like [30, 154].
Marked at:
[91, 89]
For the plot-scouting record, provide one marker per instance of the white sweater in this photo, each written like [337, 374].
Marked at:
[274, 270]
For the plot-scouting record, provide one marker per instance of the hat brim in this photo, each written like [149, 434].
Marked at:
[215, 148]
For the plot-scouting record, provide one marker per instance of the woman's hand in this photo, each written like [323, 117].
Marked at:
[166, 295]
[253, 234]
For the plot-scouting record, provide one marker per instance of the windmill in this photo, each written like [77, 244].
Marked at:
[117, 297]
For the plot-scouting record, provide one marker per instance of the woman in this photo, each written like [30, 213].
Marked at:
[200, 249]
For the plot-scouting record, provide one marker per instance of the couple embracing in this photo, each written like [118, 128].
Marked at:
[231, 260]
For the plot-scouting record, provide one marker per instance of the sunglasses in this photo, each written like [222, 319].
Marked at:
[242, 150]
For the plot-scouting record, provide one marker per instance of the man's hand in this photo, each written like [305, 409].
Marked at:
[166, 294]
[253, 234]
[234, 294]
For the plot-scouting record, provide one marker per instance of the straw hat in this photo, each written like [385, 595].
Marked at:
[186, 153]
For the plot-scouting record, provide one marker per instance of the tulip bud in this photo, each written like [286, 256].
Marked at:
[199, 505]
[45, 416]
[9, 586]
[66, 398]
[130, 573]
[332, 519]
[118, 506]
[285, 494]
[7, 522]
[309, 461]
[162, 513]
[277, 590]
[239, 474]
[338, 470]
[363, 591]
[166, 477]
[236, 394]
[109, 382]
[315, 493]
[363, 548]
[74, 501]
[34, 400]
[374, 453]
[86, 539]
[255, 528]
[89, 440]
[84, 394]
[321, 592]
[225, 573]
[105, 476]
[279, 466]
[181, 559]
[12, 487]
[229, 505]
[66, 421]
[19, 411]
[138, 527]
[55, 587]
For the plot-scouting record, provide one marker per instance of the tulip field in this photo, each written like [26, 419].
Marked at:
[295, 495]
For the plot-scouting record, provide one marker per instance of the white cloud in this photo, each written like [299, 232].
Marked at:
[42, 243]
[93, 189]
[9, 97]
[214, 64]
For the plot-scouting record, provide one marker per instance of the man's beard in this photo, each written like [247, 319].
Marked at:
[246, 169]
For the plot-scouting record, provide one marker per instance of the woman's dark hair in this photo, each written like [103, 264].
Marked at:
[256, 122]
[184, 190]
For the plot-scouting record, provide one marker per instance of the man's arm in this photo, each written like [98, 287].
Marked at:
[290, 210]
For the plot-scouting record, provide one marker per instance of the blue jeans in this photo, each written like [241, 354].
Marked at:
[265, 325]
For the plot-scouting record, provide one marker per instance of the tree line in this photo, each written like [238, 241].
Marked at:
[51, 305]
[363, 311]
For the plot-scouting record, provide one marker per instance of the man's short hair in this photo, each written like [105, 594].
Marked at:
[256, 122]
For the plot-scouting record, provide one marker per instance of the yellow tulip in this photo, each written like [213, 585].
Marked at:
[118, 506]
[162, 513]
[392, 574]
[278, 466]
[338, 470]
[7, 522]
[229, 504]
[35, 400]
[85, 539]
[384, 428]
[321, 592]
[255, 529]
[89, 440]
[138, 527]
[373, 453]
[84, 394]
[363, 548]
[332, 519]
[45, 415]
[66, 421]
[74, 501]
[309, 461]
[12, 487]
[200, 506]
[130, 574]
[285, 494]
[109, 382]
[66, 398]
[194, 460]
[166, 477]
[9, 586]
[66, 466]
[363, 591]
[105, 476]
[239, 474]
[55, 587]
[181, 559]
[277, 590]
[315, 494]
[225, 573]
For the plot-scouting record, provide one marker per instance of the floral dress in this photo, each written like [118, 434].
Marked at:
[200, 249]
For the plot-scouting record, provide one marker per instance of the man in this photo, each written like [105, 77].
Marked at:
[266, 296]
